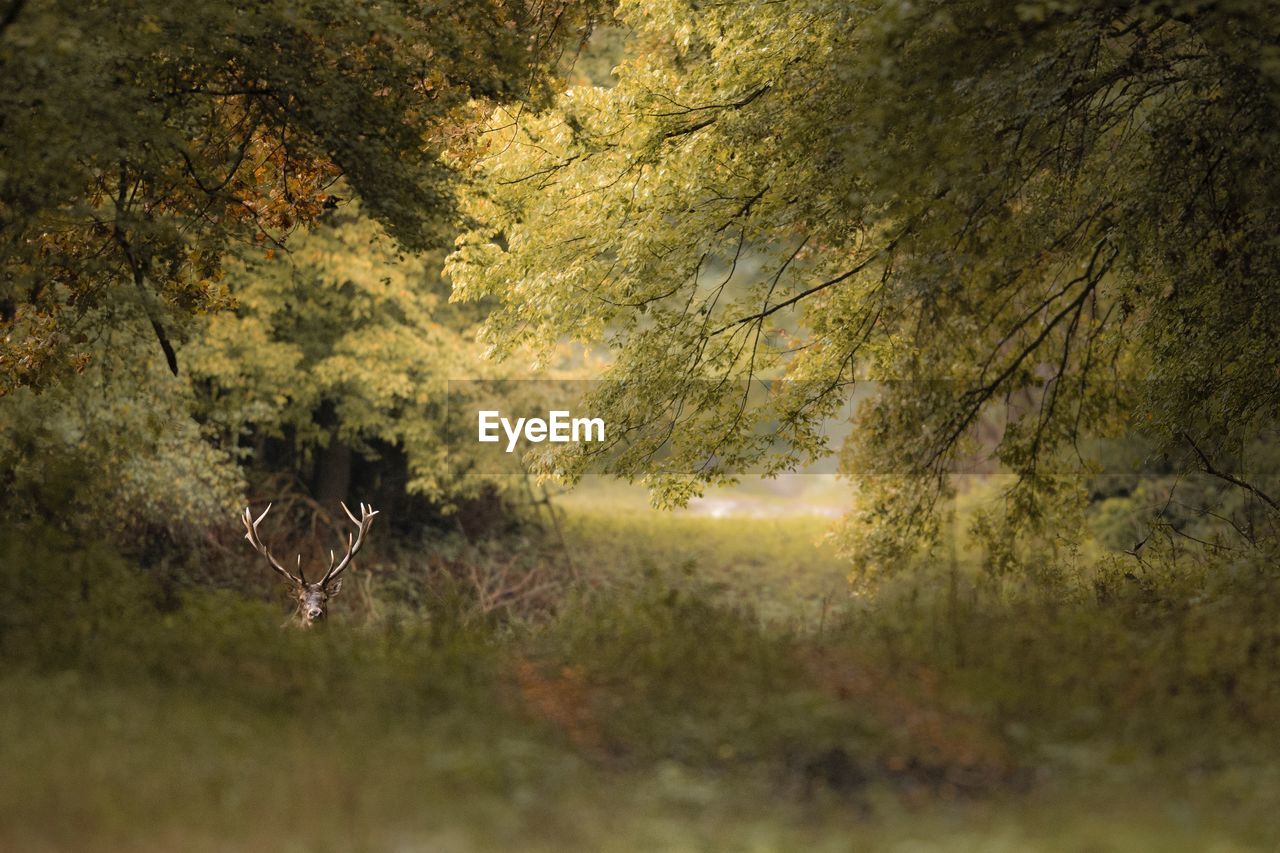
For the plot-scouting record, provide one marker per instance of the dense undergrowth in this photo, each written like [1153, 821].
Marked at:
[1118, 705]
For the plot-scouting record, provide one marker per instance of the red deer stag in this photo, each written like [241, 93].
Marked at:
[313, 597]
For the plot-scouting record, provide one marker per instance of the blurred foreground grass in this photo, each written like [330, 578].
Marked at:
[1097, 710]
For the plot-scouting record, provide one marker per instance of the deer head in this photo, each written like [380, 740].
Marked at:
[313, 597]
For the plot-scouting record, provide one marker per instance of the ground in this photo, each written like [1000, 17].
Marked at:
[718, 689]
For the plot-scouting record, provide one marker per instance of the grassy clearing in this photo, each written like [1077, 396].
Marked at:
[782, 569]
[656, 711]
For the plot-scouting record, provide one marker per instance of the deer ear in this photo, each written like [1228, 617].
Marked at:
[334, 588]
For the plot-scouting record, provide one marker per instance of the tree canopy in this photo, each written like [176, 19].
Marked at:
[140, 139]
[974, 199]
[343, 341]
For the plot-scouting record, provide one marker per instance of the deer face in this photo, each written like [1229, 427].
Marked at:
[312, 598]
[313, 602]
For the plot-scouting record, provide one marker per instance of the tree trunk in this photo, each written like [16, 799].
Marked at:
[332, 479]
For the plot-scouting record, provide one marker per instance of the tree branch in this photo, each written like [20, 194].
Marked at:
[1227, 477]
[787, 303]
[731, 105]
[137, 267]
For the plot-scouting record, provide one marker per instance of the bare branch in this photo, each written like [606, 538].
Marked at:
[1229, 478]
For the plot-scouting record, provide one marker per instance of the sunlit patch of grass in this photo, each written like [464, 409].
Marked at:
[783, 569]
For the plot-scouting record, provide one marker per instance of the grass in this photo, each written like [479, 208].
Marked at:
[783, 569]
[1099, 709]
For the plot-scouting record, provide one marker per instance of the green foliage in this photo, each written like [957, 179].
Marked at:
[945, 706]
[143, 142]
[142, 138]
[114, 451]
[1120, 659]
[987, 203]
[725, 688]
[1155, 502]
[86, 610]
[344, 338]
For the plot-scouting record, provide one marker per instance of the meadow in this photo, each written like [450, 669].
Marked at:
[700, 686]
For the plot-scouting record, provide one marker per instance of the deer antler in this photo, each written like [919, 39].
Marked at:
[251, 528]
[354, 544]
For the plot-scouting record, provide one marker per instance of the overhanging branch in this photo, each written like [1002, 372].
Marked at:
[787, 303]
[1228, 477]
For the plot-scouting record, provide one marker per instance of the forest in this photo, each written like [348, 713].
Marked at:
[639, 425]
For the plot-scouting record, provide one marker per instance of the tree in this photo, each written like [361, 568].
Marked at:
[343, 345]
[140, 139]
[973, 200]
[114, 455]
